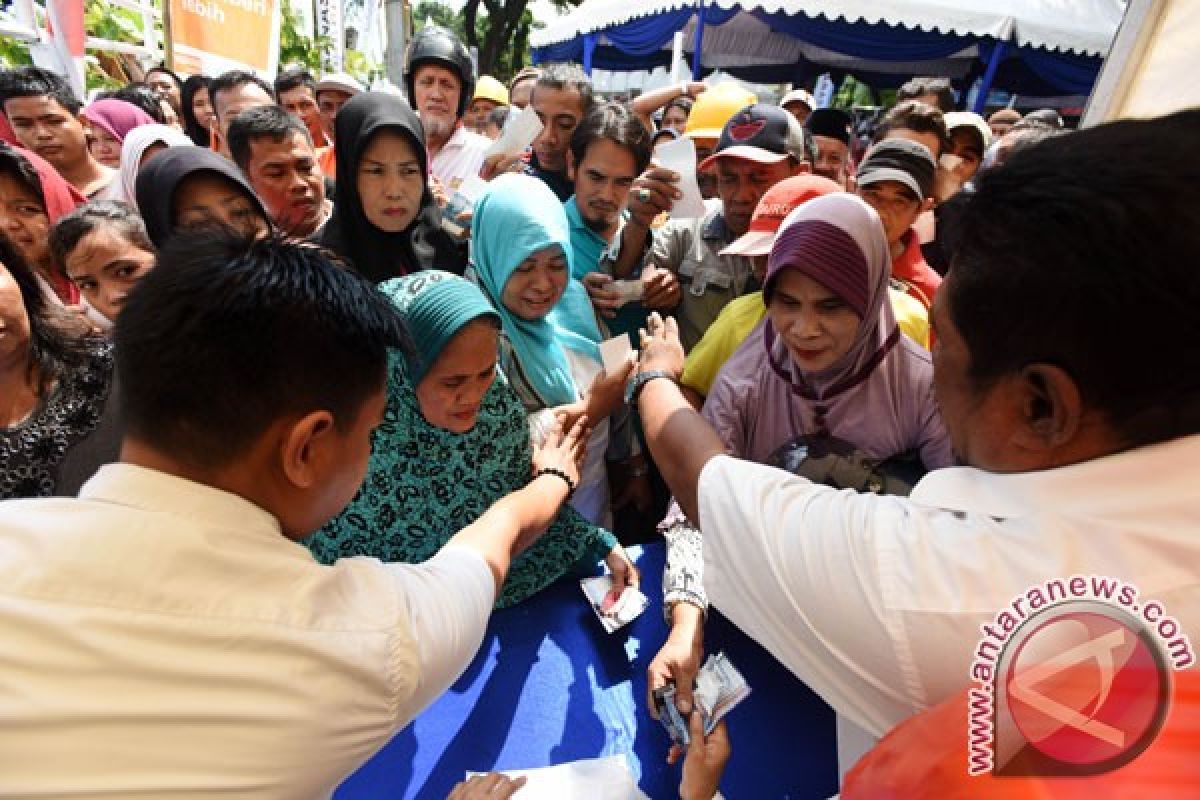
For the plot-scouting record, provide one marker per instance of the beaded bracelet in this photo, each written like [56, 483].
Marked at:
[559, 473]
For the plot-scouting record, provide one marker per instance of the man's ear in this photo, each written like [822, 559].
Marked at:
[570, 165]
[305, 448]
[927, 203]
[86, 124]
[801, 168]
[1051, 407]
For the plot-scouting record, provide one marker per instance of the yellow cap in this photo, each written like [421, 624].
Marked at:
[488, 88]
[714, 107]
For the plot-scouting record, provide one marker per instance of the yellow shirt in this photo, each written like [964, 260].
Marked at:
[740, 316]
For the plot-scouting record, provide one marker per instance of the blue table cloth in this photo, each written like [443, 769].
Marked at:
[550, 686]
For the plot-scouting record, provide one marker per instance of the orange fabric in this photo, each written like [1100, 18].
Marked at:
[926, 757]
[918, 277]
[327, 158]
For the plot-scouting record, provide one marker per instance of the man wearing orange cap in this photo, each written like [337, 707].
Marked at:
[759, 146]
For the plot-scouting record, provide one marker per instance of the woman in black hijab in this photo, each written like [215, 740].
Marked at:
[186, 187]
[385, 221]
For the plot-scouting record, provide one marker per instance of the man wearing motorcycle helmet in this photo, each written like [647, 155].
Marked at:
[440, 79]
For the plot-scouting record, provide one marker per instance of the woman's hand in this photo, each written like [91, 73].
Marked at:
[624, 573]
[607, 392]
[563, 451]
[661, 348]
[705, 761]
[492, 786]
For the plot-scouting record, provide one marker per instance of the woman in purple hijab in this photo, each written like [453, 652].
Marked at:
[110, 121]
[826, 387]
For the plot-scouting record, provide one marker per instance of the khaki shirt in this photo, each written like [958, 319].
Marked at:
[708, 281]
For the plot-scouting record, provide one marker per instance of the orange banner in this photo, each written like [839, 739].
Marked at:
[212, 36]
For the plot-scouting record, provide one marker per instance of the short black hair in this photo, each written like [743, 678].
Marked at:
[71, 228]
[567, 76]
[926, 85]
[226, 335]
[683, 103]
[14, 164]
[168, 72]
[142, 96]
[615, 122]
[60, 341]
[232, 80]
[294, 78]
[1076, 253]
[498, 116]
[915, 116]
[36, 82]
[257, 122]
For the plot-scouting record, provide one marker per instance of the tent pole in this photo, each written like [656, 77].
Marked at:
[990, 75]
[589, 49]
[698, 41]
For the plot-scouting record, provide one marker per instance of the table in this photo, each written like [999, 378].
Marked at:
[550, 686]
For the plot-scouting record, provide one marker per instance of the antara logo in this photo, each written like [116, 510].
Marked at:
[741, 131]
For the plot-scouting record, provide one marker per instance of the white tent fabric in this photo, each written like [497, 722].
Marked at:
[1085, 27]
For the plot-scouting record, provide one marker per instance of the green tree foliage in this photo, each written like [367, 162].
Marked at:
[498, 29]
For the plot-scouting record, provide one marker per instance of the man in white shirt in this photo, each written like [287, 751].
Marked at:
[440, 79]
[1068, 375]
[164, 633]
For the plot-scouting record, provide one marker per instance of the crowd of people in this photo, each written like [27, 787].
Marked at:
[887, 379]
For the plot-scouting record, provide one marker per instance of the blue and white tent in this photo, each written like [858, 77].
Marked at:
[1038, 47]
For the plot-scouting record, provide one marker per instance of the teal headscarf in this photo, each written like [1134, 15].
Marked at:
[436, 305]
[516, 217]
[424, 483]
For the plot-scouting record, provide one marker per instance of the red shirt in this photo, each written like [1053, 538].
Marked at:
[919, 279]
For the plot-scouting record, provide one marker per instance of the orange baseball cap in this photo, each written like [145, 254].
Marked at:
[779, 201]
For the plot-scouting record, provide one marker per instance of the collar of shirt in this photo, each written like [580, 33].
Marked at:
[1111, 486]
[152, 490]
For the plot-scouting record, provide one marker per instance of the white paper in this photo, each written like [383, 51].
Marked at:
[589, 779]
[615, 352]
[679, 156]
[519, 132]
[629, 605]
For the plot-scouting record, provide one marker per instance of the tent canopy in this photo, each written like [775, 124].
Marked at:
[1039, 46]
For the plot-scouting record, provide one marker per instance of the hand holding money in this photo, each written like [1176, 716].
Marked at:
[719, 688]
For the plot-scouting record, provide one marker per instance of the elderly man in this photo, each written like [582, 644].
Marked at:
[1071, 466]
[440, 79]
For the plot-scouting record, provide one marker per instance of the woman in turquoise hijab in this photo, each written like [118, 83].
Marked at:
[453, 442]
[521, 256]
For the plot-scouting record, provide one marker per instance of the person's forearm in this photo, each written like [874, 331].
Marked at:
[645, 104]
[633, 246]
[681, 441]
[513, 522]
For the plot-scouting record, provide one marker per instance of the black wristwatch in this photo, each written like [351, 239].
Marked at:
[638, 381]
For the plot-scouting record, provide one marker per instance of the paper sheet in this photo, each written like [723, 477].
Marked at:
[679, 156]
[615, 352]
[519, 132]
[590, 779]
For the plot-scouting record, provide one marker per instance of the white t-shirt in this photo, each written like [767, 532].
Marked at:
[877, 602]
[163, 639]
